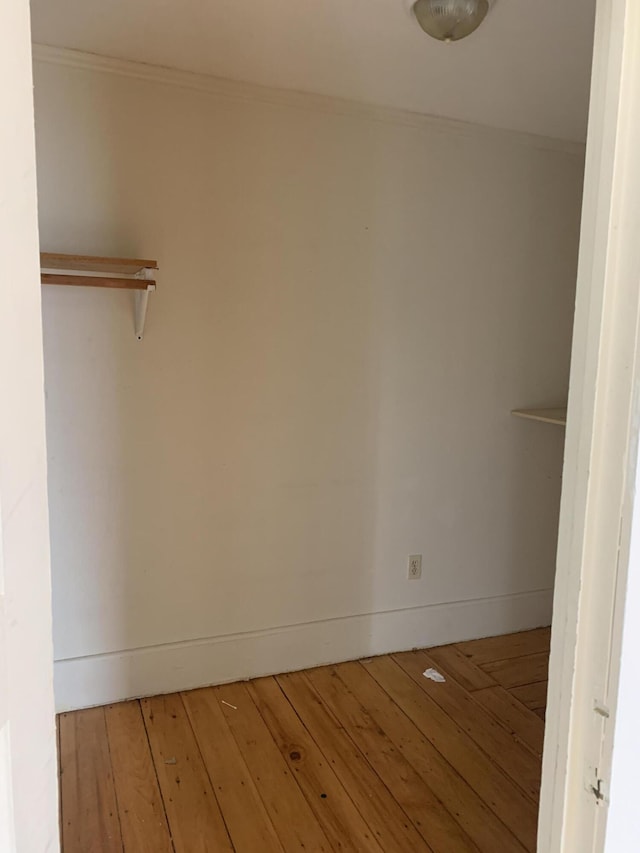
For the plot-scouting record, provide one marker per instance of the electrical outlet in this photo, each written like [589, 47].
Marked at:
[415, 567]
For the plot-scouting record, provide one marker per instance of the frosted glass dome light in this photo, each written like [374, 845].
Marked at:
[450, 20]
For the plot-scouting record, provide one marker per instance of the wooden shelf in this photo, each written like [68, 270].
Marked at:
[89, 263]
[95, 281]
[547, 416]
[121, 273]
[137, 274]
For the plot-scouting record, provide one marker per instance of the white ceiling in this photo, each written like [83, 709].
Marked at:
[526, 68]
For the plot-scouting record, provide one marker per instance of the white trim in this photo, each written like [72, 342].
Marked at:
[600, 453]
[236, 90]
[100, 679]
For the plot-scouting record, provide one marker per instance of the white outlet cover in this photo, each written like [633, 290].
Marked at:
[414, 568]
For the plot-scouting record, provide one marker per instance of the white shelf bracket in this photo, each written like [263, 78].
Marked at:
[142, 300]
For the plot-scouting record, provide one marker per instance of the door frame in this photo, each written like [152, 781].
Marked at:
[600, 457]
[603, 424]
[28, 773]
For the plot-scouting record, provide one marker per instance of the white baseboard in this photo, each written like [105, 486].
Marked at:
[102, 679]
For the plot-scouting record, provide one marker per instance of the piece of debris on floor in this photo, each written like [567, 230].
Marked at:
[229, 705]
[434, 675]
[170, 761]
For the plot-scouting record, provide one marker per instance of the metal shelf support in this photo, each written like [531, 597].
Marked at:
[141, 301]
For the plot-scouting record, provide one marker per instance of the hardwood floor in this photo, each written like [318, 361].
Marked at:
[365, 756]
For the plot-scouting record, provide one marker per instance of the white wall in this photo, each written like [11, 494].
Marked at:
[28, 778]
[349, 306]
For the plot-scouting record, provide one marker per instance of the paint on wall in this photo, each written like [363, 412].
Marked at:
[347, 311]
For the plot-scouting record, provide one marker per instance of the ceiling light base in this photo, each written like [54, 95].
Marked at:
[450, 20]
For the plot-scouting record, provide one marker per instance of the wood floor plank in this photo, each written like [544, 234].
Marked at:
[340, 819]
[524, 723]
[491, 649]
[460, 667]
[437, 826]
[520, 721]
[293, 819]
[386, 819]
[142, 818]
[516, 760]
[534, 696]
[515, 672]
[195, 819]
[484, 828]
[232, 781]
[365, 757]
[503, 797]
[90, 810]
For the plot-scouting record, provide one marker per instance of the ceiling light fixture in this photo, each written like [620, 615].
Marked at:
[450, 20]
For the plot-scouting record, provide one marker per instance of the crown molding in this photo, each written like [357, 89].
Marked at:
[223, 88]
